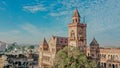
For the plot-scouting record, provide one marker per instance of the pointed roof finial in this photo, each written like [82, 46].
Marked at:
[76, 13]
[94, 42]
[84, 19]
[44, 41]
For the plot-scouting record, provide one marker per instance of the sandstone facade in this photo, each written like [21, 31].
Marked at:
[104, 57]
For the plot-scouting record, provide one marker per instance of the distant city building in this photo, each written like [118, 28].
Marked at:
[104, 57]
[19, 61]
[3, 46]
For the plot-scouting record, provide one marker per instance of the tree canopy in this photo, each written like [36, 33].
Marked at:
[72, 59]
[31, 47]
[12, 46]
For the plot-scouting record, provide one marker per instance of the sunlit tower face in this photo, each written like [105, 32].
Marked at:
[77, 32]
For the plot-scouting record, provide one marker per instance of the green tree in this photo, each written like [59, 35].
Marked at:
[31, 47]
[12, 47]
[72, 59]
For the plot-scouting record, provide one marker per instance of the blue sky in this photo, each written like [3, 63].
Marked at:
[28, 21]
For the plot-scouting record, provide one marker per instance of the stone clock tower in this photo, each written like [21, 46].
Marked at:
[77, 32]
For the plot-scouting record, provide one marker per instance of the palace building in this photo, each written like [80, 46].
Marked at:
[104, 57]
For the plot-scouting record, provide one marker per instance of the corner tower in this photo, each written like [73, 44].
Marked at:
[77, 32]
[94, 49]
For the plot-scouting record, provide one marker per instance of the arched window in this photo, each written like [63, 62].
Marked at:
[79, 34]
[45, 47]
[76, 20]
[88, 54]
[40, 49]
[72, 34]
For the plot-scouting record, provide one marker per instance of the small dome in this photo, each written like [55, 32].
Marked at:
[94, 42]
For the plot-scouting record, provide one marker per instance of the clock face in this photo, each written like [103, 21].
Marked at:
[79, 35]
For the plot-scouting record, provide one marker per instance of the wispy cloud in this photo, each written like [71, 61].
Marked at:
[12, 32]
[31, 29]
[102, 17]
[10, 36]
[34, 8]
[30, 33]
[61, 13]
[3, 5]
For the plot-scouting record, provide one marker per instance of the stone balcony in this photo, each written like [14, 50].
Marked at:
[46, 53]
[47, 62]
[115, 61]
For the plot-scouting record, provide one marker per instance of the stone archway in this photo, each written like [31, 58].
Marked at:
[113, 66]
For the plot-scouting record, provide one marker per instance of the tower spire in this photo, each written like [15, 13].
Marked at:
[45, 44]
[44, 41]
[84, 20]
[76, 13]
[76, 16]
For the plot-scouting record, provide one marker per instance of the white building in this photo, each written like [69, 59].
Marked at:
[3, 46]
